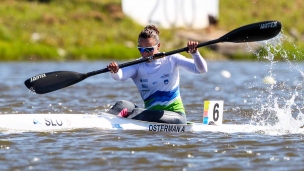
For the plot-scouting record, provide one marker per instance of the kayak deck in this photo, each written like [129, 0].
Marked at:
[46, 122]
[57, 122]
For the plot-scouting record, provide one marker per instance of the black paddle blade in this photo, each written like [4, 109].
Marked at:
[48, 82]
[253, 32]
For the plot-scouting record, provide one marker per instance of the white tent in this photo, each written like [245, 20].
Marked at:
[196, 14]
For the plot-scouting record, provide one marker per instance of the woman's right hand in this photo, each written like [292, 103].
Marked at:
[113, 67]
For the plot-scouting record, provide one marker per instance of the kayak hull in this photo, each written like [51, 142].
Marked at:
[53, 122]
[104, 121]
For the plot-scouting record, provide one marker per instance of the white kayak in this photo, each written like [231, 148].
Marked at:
[106, 121]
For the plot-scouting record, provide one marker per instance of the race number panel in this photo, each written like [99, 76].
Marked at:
[213, 112]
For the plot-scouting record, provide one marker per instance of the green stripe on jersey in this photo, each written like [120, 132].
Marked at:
[176, 106]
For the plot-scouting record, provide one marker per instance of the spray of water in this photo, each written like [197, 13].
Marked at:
[278, 104]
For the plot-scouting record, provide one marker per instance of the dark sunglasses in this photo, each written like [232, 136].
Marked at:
[146, 49]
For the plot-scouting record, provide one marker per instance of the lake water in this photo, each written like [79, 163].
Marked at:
[247, 99]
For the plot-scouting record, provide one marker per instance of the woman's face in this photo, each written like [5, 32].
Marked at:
[148, 47]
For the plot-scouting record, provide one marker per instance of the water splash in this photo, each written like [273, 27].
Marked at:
[279, 106]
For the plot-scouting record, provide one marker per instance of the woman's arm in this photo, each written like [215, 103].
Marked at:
[200, 63]
[124, 73]
[197, 65]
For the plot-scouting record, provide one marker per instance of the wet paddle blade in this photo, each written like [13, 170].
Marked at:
[48, 82]
[253, 32]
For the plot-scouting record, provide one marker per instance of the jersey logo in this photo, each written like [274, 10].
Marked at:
[165, 76]
[143, 80]
[166, 82]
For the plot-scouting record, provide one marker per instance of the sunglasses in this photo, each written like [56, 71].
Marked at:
[146, 49]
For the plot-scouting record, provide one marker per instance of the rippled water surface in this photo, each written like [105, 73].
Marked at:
[248, 100]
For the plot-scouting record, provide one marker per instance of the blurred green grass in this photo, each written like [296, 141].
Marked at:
[97, 29]
[64, 30]
[289, 13]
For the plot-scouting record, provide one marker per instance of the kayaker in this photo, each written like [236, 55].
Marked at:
[157, 81]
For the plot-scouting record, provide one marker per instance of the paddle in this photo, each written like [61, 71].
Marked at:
[48, 82]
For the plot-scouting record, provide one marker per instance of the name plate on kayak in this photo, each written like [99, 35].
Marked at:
[213, 112]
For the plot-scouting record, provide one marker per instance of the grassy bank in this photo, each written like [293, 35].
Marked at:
[97, 29]
[63, 30]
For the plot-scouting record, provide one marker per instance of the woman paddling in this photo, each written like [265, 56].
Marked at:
[157, 81]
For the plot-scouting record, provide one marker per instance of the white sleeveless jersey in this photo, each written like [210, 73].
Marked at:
[158, 81]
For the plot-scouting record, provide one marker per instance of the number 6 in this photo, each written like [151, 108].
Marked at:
[216, 113]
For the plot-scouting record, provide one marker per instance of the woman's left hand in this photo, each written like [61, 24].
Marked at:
[192, 46]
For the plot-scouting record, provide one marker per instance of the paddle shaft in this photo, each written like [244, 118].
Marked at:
[248, 33]
[156, 56]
